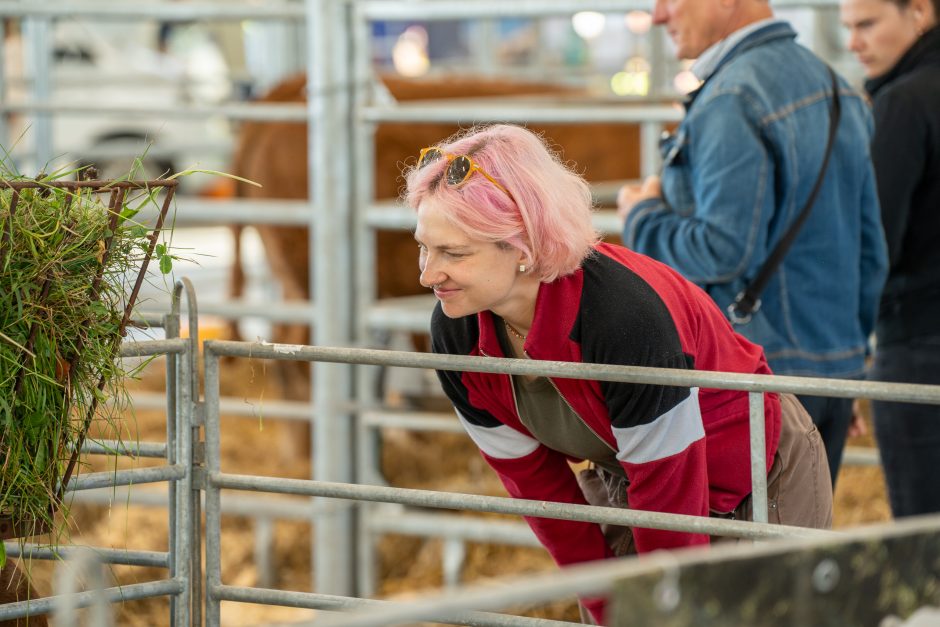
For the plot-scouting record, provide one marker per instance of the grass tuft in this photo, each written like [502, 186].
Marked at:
[67, 267]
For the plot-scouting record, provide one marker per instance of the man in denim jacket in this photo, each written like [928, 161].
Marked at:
[736, 174]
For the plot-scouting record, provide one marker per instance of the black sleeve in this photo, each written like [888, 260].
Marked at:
[899, 153]
[623, 321]
[457, 337]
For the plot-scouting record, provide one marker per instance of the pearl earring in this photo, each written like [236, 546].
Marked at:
[521, 267]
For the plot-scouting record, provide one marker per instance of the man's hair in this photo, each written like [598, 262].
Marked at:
[905, 4]
[548, 217]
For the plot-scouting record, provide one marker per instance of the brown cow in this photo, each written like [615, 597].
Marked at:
[274, 154]
[14, 586]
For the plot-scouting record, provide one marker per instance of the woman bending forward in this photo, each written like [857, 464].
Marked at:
[506, 243]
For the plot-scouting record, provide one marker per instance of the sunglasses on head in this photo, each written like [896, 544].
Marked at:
[459, 168]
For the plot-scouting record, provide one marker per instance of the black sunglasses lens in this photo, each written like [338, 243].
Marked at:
[459, 170]
[430, 156]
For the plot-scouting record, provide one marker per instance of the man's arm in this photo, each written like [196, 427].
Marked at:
[732, 174]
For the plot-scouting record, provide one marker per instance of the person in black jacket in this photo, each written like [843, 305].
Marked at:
[898, 43]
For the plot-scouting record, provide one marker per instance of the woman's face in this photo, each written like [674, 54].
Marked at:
[467, 275]
[880, 32]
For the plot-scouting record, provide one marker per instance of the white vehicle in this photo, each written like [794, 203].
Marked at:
[96, 66]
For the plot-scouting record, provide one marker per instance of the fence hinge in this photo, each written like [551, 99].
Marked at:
[199, 453]
[199, 478]
[199, 414]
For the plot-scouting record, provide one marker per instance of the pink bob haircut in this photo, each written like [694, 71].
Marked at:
[548, 217]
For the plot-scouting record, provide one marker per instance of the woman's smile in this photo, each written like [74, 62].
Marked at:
[444, 293]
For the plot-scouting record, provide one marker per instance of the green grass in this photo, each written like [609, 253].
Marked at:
[66, 267]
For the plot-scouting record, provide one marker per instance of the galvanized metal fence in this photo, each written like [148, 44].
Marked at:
[347, 414]
[883, 574]
[189, 475]
[216, 481]
[181, 560]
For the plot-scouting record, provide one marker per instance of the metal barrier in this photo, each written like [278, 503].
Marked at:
[187, 478]
[344, 315]
[803, 581]
[217, 481]
[181, 560]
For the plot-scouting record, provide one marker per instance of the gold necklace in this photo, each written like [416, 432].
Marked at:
[513, 331]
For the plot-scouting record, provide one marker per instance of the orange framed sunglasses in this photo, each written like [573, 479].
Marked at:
[459, 168]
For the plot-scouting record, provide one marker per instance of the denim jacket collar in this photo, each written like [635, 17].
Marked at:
[709, 61]
[777, 29]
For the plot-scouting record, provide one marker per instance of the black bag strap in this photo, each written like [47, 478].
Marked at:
[747, 302]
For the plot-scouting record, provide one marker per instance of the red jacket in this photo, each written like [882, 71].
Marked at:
[684, 450]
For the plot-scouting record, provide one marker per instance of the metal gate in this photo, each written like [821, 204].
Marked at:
[346, 414]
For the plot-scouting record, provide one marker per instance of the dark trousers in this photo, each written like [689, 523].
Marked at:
[832, 417]
[908, 434]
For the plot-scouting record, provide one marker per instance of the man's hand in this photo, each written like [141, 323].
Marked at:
[630, 195]
[857, 427]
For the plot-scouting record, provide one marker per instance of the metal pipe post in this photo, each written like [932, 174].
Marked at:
[37, 34]
[213, 502]
[758, 457]
[328, 105]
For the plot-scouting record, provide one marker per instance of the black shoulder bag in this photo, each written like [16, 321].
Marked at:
[747, 302]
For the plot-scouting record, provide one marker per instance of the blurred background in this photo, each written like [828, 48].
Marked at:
[99, 83]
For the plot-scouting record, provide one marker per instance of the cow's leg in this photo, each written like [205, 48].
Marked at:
[236, 277]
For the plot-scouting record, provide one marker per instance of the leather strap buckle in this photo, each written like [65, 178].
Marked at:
[739, 312]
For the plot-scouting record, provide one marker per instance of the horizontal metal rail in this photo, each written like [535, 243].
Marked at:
[125, 557]
[494, 9]
[435, 10]
[861, 456]
[148, 319]
[467, 528]
[130, 150]
[162, 11]
[406, 313]
[247, 111]
[130, 592]
[597, 578]
[136, 476]
[150, 348]
[232, 504]
[292, 311]
[192, 211]
[839, 388]
[238, 406]
[394, 215]
[478, 112]
[155, 450]
[310, 600]
[505, 505]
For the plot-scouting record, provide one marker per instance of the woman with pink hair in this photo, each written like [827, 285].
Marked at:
[506, 242]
